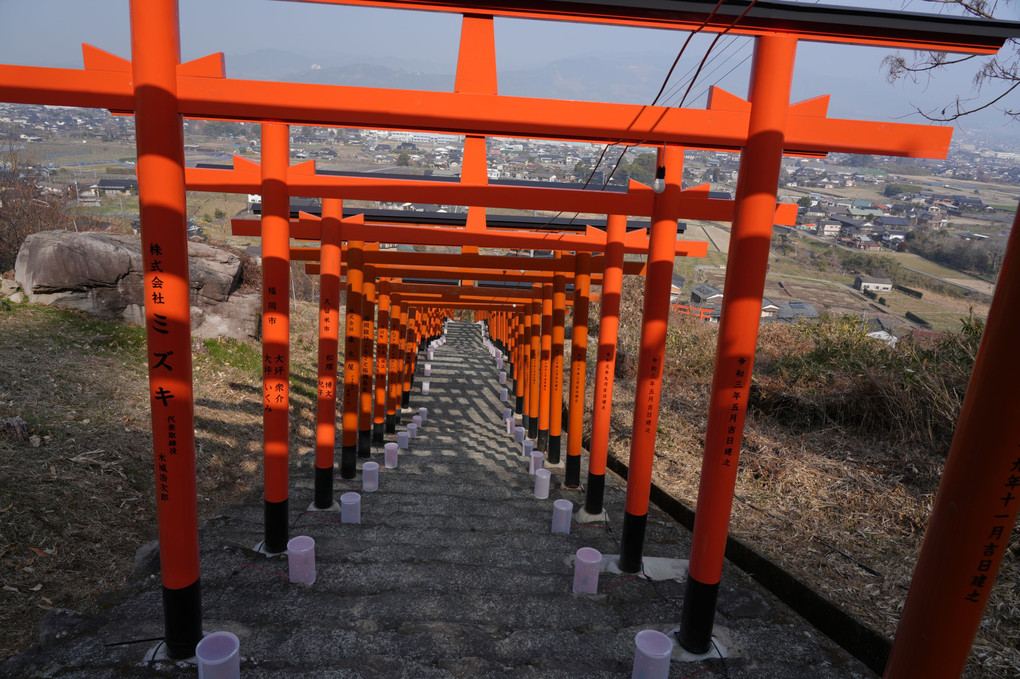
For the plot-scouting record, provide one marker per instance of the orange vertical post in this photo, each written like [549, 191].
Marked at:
[381, 361]
[405, 319]
[578, 368]
[155, 51]
[524, 352]
[747, 264]
[976, 505]
[410, 354]
[602, 405]
[393, 389]
[352, 359]
[545, 368]
[559, 317]
[366, 396]
[654, 319]
[276, 332]
[535, 368]
[329, 344]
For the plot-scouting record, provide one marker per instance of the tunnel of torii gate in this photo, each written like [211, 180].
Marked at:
[976, 505]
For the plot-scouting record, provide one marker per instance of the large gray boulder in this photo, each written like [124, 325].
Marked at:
[102, 274]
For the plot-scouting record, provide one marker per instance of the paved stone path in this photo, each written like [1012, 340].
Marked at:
[453, 572]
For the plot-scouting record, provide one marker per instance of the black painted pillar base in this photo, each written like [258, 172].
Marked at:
[391, 424]
[277, 530]
[542, 442]
[554, 449]
[698, 617]
[365, 443]
[378, 432]
[323, 487]
[405, 399]
[348, 462]
[595, 493]
[532, 427]
[632, 542]
[519, 406]
[572, 472]
[182, 620]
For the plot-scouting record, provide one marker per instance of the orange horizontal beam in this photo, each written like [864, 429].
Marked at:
[463, 262]
[464, 113]
[507, 275]
[593, 240]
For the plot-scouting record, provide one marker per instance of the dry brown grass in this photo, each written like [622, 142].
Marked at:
[76, 507]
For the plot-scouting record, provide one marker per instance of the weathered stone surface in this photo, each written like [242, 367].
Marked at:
[8, 287]
[102, 274]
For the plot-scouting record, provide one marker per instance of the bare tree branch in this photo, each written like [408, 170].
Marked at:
[1000, 71]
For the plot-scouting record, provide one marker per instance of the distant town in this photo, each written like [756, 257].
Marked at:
[955, 212]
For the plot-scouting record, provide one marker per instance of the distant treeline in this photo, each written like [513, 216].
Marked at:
[977, 256]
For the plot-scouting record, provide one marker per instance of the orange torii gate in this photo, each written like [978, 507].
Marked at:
[159, 90]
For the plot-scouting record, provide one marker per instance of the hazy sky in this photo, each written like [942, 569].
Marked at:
[49, 32]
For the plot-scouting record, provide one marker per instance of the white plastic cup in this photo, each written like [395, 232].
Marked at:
[586, 570]
[536, 461]
[350, 508]
[417, 421]
[403, 438]
[390, 455]
[412, 429]
[424, 413]
[652, 653]
[424, 388]
[518, 434]
[526, 447]
[502, 376]
[370, 477]
[428, 370]
[301, 559]
[219, 656]
[542, 477]
[503, 394]
[562, 512]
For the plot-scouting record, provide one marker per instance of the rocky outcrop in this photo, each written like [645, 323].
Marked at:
[102, 274]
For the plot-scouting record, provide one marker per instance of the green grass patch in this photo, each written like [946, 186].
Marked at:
[230, 352]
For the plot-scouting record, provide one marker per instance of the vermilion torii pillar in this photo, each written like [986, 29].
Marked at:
[578, 369]
[747, 263]
[155, 49]
[602, 405]
[545, 369]
[329, 334]
[397, 311]
[559, 314]
[654, 320]
[381, 362]
[352, 360]
[366, 398]
[276, 333]
[976, 505]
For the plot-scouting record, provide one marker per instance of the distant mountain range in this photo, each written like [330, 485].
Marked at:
[586, 78]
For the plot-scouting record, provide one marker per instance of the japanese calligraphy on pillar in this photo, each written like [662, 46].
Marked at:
[996, 531]
[168, 395]
[329, 322]
[734, 422]
[606, 377]
[650, 399]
